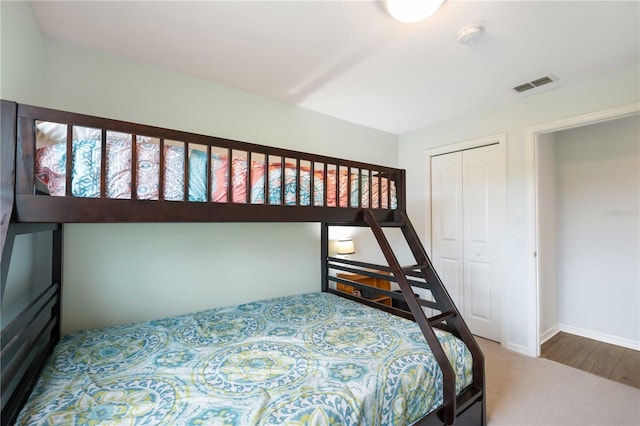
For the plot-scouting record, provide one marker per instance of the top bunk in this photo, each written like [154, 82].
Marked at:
[63, 167]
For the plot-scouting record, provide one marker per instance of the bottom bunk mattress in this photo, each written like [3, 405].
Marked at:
[310, 359]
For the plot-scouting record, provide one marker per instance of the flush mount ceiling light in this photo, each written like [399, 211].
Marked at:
[412, 10]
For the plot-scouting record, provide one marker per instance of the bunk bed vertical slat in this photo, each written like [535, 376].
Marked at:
[370, 185]
[134, 166]
[379, 177]
[265, 180]
[325, 186]
[209, 184]
[103, 163]
[248, 183]
[312, 185]
[324, 256]
[282, 177]
[360, 187]
[69, 161]
[337, 171]
[298, 182]
[349, 203]
[161, 177]
[229, 175]
[185, 170]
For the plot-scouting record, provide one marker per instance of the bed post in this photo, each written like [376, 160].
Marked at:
[324, 254]
[8, 112]
[56, 279]
[401, 186]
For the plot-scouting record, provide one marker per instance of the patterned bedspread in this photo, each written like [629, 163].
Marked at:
[86, 174]
[314, 359]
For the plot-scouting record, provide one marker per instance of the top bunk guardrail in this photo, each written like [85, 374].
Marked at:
[78, 168]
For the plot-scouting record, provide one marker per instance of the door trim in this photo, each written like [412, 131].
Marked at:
[531, 135]
[500, 139]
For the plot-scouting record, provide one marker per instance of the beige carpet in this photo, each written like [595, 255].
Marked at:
[529, 391]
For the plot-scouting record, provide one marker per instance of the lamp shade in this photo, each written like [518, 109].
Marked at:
[412, 10]
[346, 246]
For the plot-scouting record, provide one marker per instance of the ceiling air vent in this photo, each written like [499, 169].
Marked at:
[535, 83]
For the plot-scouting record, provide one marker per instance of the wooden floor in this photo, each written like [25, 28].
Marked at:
[609, 361]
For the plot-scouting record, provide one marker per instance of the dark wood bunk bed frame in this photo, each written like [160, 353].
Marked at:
[28, 339]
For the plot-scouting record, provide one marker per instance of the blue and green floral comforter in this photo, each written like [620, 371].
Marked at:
[314, 359]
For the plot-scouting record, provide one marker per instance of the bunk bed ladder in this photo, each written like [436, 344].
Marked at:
[449, 318]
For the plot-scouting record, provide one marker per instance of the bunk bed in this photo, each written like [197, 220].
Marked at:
[341, 357]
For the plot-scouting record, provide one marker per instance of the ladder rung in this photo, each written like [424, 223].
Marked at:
[391, 224]
[414, 267]
[442, 317]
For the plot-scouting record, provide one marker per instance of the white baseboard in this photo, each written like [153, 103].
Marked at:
[602, 337]
[552, 331]
[521, 349]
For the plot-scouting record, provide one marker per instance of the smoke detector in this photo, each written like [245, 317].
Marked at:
[470, 33]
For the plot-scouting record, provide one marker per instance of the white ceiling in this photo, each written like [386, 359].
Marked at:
[350, 60]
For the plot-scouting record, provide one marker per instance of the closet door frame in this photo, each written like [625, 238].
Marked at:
[500, 140]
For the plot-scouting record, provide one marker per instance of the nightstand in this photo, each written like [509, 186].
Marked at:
[363, 279]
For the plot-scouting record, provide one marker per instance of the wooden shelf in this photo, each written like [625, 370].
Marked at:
[366, 280]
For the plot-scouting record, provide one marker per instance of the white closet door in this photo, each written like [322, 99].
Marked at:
[446, 226]
[467, 202]
[484, 222]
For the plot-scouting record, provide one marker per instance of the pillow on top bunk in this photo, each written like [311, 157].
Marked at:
[49, 133]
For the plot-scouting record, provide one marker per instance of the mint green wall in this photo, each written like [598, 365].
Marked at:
[95, 83]
[115, 273]
[22, 54]
[118, 273]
